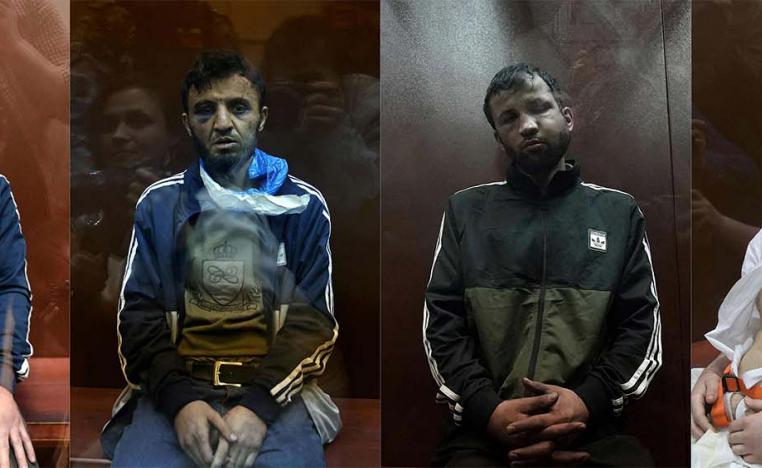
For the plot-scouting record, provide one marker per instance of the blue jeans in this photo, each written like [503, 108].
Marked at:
[150, 440]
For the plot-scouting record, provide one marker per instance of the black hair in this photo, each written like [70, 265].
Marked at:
[216, 65]
[516, 75]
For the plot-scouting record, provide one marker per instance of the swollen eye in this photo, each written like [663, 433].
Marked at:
[203, 110]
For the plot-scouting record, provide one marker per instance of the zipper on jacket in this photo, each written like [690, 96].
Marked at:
[541, 301]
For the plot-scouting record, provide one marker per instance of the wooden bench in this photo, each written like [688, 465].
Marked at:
[44, 401]
[358, 444]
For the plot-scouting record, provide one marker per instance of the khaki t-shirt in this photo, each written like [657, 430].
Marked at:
[230, 270]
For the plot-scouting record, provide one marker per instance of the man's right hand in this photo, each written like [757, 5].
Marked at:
[192, 425]
[13, 434]
[704, 393]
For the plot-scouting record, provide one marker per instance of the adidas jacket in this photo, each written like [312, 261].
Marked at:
[557, 288]
[154, 284]
[15, 295]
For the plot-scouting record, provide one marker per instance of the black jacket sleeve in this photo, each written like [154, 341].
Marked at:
[632, 353]
[462, 380]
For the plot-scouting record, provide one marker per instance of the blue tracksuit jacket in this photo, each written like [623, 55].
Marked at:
[15, 295]
[154, 285]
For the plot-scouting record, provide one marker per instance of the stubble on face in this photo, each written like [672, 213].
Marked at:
[541, 161]
[220, 164]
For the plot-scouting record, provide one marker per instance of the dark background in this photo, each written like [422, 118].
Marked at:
[626, 66]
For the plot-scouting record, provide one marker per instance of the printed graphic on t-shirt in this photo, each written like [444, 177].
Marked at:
[229, 265]
[223, 279]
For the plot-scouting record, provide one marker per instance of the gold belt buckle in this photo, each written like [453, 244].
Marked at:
[217, 381]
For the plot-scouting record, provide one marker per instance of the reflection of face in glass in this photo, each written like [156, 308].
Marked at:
[308, 105]
[304, 79]
[133, 130]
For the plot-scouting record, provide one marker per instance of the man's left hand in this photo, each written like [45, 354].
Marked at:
[568, 408]
[250, 430]
[745, 436]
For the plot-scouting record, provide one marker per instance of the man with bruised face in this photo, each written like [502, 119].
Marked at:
[541, 318]
[226, 307]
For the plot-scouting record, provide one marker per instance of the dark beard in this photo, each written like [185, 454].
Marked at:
[217, 165]
[541, 163]
[220, 166]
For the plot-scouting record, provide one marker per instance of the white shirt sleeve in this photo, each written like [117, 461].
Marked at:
[738, 318]
[753, 257]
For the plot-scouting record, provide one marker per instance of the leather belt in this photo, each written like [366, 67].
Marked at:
[223, 373]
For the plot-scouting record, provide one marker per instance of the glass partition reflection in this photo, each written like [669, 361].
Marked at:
[320, 64]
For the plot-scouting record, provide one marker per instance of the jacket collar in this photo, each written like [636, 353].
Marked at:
[194, 190]
[561, 182]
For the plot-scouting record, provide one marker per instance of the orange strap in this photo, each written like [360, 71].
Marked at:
[730, 383]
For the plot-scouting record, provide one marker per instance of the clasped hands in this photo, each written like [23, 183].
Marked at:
[241, 433]
[540, 428]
